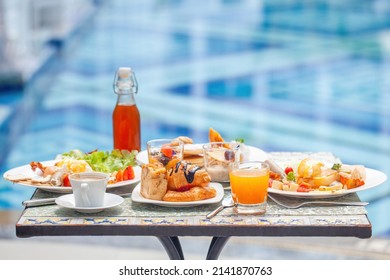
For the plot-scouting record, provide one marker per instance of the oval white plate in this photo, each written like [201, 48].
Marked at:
[255, 154]
[136, 196]
[373, 179]
[26, 170]
[110, 200]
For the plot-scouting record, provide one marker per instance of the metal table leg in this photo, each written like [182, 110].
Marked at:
[216, 246]
[172, 246]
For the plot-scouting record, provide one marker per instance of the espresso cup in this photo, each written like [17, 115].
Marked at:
[89, 188]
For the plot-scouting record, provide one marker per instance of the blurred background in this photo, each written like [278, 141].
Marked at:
[285, 75]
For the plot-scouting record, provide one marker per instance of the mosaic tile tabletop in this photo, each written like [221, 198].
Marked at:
[137, 213]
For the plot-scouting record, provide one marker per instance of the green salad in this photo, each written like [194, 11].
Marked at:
[104, 161]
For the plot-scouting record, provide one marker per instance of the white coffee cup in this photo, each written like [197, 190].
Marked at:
[89, 188]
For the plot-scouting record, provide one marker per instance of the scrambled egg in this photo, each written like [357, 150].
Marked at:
[74, 166]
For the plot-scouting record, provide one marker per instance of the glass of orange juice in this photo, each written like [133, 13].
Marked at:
[249, 185]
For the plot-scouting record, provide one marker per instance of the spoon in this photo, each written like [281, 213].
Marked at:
[226, 203]
[275, 168]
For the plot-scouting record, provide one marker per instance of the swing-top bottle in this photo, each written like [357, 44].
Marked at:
[126, 117]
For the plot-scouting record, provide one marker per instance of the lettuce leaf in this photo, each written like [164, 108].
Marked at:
[104, 161]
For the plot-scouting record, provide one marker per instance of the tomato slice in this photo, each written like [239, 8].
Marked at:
[128, 173]
[66, 181]
[119, 176]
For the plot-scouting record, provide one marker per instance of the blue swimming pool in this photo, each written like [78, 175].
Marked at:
[283, 75]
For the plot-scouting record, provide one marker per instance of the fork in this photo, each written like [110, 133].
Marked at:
[295, 205]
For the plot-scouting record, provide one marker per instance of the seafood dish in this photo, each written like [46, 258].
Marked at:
[310, 175]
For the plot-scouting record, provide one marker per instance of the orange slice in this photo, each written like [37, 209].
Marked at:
[214, 136]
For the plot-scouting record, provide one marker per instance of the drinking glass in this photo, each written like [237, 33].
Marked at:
[218, 156]
[166, 151]
[249, 186]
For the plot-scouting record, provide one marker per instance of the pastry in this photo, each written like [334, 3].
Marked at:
[187, 175]
[153, 181]
[193, 194]
[183, 183]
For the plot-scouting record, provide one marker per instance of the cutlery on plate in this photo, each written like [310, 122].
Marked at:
[297, 204]
[274, 167]
[226, 203]
[50, 201]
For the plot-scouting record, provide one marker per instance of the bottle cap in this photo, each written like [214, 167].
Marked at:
[124, 72]
[125, 81]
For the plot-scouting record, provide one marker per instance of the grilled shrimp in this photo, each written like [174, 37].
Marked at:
[46, 170]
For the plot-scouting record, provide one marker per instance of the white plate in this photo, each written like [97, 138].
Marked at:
[254, 154]
[137, 197]
[373, 179]
[110, 200]
[26, 170]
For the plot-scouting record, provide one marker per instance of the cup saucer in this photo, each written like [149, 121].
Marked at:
[110, 200]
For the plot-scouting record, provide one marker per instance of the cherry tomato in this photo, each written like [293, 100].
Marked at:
[288, 170]
[128, 173]
[66, 181]
[167, 151]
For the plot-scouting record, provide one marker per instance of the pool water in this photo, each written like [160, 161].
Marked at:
[283, 75]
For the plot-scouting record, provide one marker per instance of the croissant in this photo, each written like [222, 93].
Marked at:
[186, 175]
[193, 194]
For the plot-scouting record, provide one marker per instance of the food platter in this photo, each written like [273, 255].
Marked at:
[374, 178]
[137, 197]
[26, 170]
[254, 154]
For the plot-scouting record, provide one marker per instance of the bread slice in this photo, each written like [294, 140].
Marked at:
[18, 177]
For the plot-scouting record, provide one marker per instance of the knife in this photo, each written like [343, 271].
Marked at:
[50, 201]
